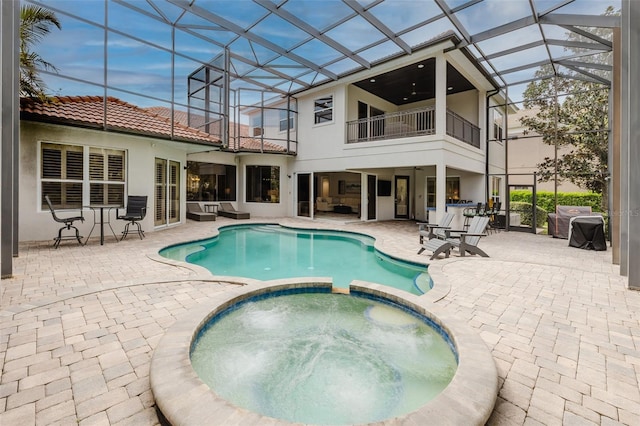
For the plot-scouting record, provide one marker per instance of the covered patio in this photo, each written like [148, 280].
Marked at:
[79, 324]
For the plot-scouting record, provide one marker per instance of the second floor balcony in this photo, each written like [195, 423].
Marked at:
[414, 122]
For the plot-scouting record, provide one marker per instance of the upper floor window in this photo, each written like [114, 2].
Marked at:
[498, 125]
[67, 171]
[256, 125]
[263, 184]
[323, 109]
[283, 120]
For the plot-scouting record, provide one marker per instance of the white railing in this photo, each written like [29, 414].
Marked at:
[420, 121]
[414, 122]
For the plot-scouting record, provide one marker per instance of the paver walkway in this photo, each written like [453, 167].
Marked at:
[79, 324]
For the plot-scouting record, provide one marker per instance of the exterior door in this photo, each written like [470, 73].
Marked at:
[304, 195]
[371, 197]
[402, 197]
[166, 192]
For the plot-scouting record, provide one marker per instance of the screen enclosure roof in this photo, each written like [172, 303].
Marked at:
[288, 46]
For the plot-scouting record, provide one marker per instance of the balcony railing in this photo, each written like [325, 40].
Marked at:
[414, 122]
[462, 129]
[401, 124]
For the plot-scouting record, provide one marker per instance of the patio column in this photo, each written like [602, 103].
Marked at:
[441, 95]
[441, 191]
[10, 135]
[629, 213]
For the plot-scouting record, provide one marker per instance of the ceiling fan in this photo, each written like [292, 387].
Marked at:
[413, 91]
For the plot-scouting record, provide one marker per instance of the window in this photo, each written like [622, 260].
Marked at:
[323, 109]
[453, 189]
[263, 184]
[256, 125]
[498, 125]
[210, 182]
[106, 176]
[62, 175]
[65, 173]
[495, 188]
[431, 192]
[283, 120]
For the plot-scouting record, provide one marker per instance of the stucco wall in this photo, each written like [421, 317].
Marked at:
[37, 224]
[281, 208]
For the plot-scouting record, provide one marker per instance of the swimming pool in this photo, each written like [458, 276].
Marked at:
[268, 252]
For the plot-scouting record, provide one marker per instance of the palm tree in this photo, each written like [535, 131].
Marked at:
[35, 23]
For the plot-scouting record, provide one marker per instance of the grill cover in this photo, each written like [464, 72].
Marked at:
[587, 232]
[558, 222]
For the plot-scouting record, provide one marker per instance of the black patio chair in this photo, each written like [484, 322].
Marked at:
[135, 212]
[68, 224]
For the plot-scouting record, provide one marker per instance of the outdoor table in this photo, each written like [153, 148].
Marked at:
[211, 207]
[101, 207]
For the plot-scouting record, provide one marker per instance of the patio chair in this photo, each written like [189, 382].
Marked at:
[68, 224]
[465, 241]
[470, 212]
[227, 210]
[195, 212]
[494, 223]
[429, 231]
[135, 212]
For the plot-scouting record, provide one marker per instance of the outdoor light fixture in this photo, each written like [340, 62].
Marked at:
[420, 65]
[373, 80]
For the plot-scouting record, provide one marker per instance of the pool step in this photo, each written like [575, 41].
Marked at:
[266, 228]
[340, 290]
[422, 282]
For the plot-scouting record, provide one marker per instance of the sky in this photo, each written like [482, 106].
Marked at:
[136, 48]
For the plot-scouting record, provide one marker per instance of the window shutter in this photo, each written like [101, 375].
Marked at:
[107, 176]
[174, 191]
[116, 167]
[51, 163]
[62, 168]
[160, 191]
[96, 166]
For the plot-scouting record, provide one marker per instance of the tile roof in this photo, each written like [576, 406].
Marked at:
[246, 143]
[88, 111]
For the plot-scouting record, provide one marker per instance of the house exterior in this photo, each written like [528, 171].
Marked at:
[406, 139]
[69, 153]
[526, 151]
[433, 148]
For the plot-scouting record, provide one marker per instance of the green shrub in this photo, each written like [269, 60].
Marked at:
[525, 211]
[544, 199]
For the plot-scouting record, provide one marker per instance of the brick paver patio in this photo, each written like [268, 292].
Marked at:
[79, 325]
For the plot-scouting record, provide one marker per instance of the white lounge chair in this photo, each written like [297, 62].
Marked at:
[430, 231]
[465, 241]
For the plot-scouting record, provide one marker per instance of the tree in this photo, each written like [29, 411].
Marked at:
[35, 23]
[573, 113]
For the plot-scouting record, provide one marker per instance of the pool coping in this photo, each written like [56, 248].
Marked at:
[184, 399]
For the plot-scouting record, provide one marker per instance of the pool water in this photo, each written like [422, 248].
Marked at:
[267, 252]
[320, 358]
